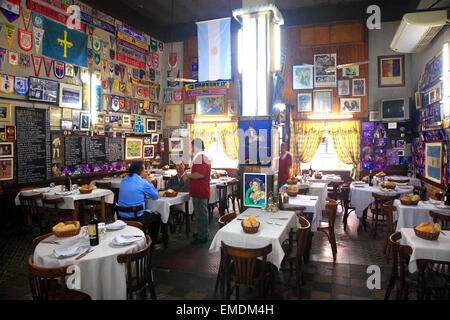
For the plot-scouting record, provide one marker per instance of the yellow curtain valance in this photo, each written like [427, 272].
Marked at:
[227, 133]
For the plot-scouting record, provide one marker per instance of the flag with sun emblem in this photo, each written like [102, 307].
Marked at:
[214, 50]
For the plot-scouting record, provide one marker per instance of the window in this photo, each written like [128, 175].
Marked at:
[326, 158]
[220, 159]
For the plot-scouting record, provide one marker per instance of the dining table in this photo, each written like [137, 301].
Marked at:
[415, 182]
[409, 216]
[318, 189]
[274, 229]
[101, 276]
[116, 181]
[71, 198]
[327, 178]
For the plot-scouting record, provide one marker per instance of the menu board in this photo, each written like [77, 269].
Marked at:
[74, 150]
[114, 149]
[96, 149]
[33, 145]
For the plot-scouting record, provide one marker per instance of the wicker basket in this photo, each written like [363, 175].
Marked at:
[85, 191]
[171, 194]
[426, 235]
[409, 202]
[250, 229]
[388, 186]
[69, 233]
[318, 176]
[292, 182]
[292, 193]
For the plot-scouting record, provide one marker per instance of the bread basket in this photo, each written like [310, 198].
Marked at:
[292, 193]
[317, 176]
[426, 235]
[171, 194]
[409, 202]
[250, 230]
[292, 182]
[69, 233]
[85, 191]
[387, 186]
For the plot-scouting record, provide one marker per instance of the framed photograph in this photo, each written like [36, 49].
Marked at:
[303, 77]
[322, 77]
[106, 119]
[401, 144]
[400, 153]
[323, 101]
[66, 125]
[70, 96]
[43, 90]
[173, 116]
[126, 120]
[67, 114]
[6, 149]
[10, 132]
[418, 99]
[6, 169]
[304, 102]
[100, 130]
[149, 152]
[351, 71]
[189, 108]
[176, 144]
[155, 138]
[255, 189]
[391, 71]
[433, 161]
[75, 118]
[5, 112]
[359, 87]
[133, 148]
[158, 125]
[85, 121]
[374, 116]
[55, 117]
[151, 125]
[210, 106]
[343, 87]
[351, 105]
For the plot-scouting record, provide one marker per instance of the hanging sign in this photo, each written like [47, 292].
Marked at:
[7, 83]
[206, 85]
[21, 85]
[25, 40]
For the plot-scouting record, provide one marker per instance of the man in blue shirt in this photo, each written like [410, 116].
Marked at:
[133, 191]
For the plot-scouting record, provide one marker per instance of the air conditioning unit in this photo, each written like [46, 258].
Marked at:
[417, 29]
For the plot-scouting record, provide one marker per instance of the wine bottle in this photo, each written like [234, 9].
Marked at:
[370, 178]
[446, 197]
[310, 171]
[68, 183]
[93, 228]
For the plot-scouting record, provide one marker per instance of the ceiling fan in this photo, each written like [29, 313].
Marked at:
[342, 66]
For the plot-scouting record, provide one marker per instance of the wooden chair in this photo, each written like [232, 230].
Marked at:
[223, 220]
[109, 209]
[38, 239]
[442, 219]
[377, 210]
[345, 203]
[133, 209]
[50, 283]
[246, 269]
[234, 195]
[399, 180]
[425, 281]
[334, 190]
[223, 199]
[303, 191]
[294, 252]
[388, 211]
[139, 271]
[30, 209]
[51, 214]
[328, 227]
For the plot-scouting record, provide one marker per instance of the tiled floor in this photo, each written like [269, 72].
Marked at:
[184, 271]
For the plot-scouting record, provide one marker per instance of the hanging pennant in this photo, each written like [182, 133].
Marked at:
[157, 75]
[111, 69]
[134, 106]
[1, 27]
[112, 54]
[122, 71]
[26, 17]
[112, 41]
[146, 105]
[122, 87]
[141, 74]
[75, 70]
[90, 31]
[69, 70]
[115, 104]
[21, 85]
[127, 104]
[116, 85]
[136, 73]
[97, 58]
[178, 95]
[38, 34]
[110, 83]
[13, 58]
[158, 89]
[96, 44]
[121, 103]
[155, 60]
[38, 20]
[154, 45]
[151, 74]
[104, 84]
[59, 69]
[116, 69]
[7, 83]
[104, 66]
[84, 75]
[2, 56]
[11, 9]
[173, 59]
[90, 54]
[37, 61]
[25, 40]
[24, 60]
[9, 32]
[168, 94]
[91, 65]
[47, 65]
[148, 60]
[104, 49]
[161, 46]
[129, 87]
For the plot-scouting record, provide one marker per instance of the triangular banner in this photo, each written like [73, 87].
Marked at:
[9, 32]
[38, 34]
[37, 62]
[48, 66]
[2, 56]
[11, 9]
[26, 16]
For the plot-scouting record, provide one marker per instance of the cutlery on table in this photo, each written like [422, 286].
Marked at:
[50, 242]
[84, 253]
[442, 232]
[280, 218]
[277, 224]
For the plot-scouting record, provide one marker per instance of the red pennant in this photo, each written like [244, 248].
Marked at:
[26, 16]
[48, 66]
[37, 62]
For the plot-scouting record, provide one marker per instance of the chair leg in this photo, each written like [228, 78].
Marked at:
[333, 244]
[345, 218]
[390, 287]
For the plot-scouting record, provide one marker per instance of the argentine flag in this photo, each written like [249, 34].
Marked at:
[214, 50]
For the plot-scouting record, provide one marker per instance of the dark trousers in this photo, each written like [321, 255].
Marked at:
[152, 223]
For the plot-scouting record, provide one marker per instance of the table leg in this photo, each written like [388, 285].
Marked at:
[364, 219]
[103, 209]
[309, 217]
[187, 218]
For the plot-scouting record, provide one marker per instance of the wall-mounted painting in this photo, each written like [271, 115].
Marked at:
[85, 121]
[5, 112]
[391, 71]
[173, 116]
[323, 101]
[351, 71]
[343, 87]
[210, 106]
[6, 149]
[255, 189]
[302, 77]
[322, 76]
[304, 102]
[149, 152]
[151, 125]
[6, 169]
[433, 161]
[70, 96]
[176, 144]
[133, 148]
[351, 105]
[359, 87]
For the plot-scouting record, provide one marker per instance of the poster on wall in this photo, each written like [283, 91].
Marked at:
[302, 77]
[6, 169]
[323, 77]
[133, 148]
[255, 189]
[433, 161]
[70, 96]
[43, 90]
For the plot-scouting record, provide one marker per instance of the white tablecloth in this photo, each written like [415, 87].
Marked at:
[214, 196]
[438, 250]
[312, 204]
[162, 205]
[325, 179]
[315, 189]
[412, 181]
[233, 235]
[102, 277]
[115, 182]
[361, 197]
[69, 200]
[411, 216]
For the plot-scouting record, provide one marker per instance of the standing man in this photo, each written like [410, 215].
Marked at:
[284, 165]
[199, 190]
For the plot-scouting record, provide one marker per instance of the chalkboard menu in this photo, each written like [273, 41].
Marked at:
[115, 149]
[95, 149]
[33, 145]
[75, 150]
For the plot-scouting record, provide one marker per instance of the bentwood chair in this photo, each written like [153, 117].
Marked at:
[30, 209]
[38, 239]
[345, 203]
[328, 227]
[109, 214]
[139, 271]
[378, 216]
[234, 195]
[247, 267]
[388, 211]
[294, 252]
[334, 190]
[50, 283]
[442, 219]
[51, 214]
[135, 224]
[399, 180]
[303, 191]
[223, 198]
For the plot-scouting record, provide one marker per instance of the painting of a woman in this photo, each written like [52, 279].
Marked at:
[255, 190]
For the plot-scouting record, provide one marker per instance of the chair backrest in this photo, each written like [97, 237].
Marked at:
[331, 208]
[303, 191]
[441, 218]
[103, 185]
[438, 195]
[223, 220]
[222, 188]
[245, 262]
[388, 210]
[335, 185]
[135, 224]
[345, 195]
[28, 204]
[302, 236]
[47, 283]
[134, 209]
[38, 239]
[234, 187]
[139, 267]
[399, 180]
[400, 255]
[381, 199]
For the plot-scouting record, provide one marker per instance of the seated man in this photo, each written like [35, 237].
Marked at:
[179, 182]
[133, 190]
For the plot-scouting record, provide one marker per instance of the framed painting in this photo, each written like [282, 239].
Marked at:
[55, 117]
[66, 125]
[5, 112]
[303, 77]
[6, 149]
[173, 116]
[70, 96]
[189, 108]
[7, 169]
[304, 102]
[155, 138]
[255, 190]
[149, 152]
[176, 144]
[433, 161]
[210, 106]
[323, 100]
[351, 71]
[151, 125]
[351, 105]
[85, 121]
[322, 76]
[343, 87]
[133, 148]
[359, 87]
[418, 99]
[391, 71]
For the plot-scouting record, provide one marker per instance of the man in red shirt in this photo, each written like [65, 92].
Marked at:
[199, 190]
[284, 165]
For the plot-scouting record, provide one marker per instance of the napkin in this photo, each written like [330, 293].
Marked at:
[116, 225]
[67, 251]
[122, 239]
